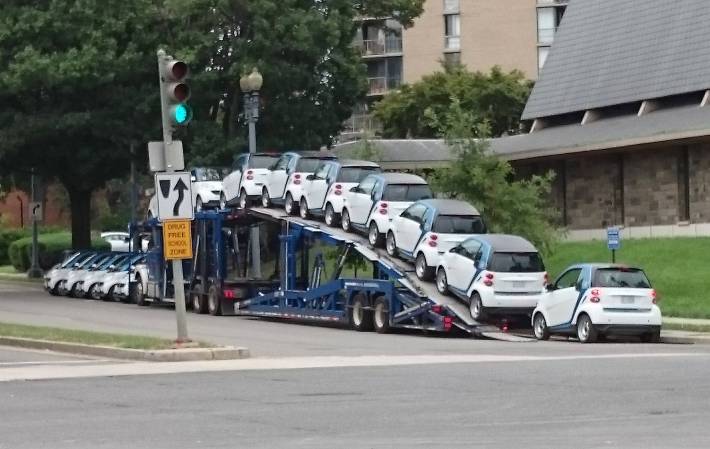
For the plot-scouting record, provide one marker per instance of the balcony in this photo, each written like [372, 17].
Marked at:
[545, 36]
[361, 124]
[391, 46]
[383, 85]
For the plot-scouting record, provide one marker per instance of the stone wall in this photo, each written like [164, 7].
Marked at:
[699, 172]
[651, 195]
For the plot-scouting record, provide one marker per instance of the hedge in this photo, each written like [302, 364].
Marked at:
[51, 250]
[7, 236]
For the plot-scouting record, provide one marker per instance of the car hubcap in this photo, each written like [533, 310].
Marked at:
[539, 327]
[222, 202]
[390, 244]
[420, 266]
[475, 308]
[198, 206]
[357, 314]
[265, 198]
[304, 210]
[373, 235]
[380, 315]
[441, 281]
[346, 220]
[289, 204]
[584, 330]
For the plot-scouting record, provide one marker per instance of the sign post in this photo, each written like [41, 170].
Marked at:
[613, 241]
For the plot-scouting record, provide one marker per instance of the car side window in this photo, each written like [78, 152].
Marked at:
[322, 171]
[367, 185]
[282, 163]
[471, 248]
[568, 279]
[416, 213]
[239, 163]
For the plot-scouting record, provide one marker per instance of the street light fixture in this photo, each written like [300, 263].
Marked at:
[250, 86]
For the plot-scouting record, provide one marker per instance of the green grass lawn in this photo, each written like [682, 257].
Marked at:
[7, 269]
[679, 268]
[85, 337]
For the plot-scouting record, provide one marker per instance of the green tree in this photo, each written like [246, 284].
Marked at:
[476, 175]
[496, 97]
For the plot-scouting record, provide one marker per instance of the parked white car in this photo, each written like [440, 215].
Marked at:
[371, 206]
[118, 240]
[70, 285]
[429, 228]
[246, 181]
[58, 273]
[593, 300]
[117, 282]
[284, 185]
[207, 190]
[87, 286]
[323, 190]
[495, 274]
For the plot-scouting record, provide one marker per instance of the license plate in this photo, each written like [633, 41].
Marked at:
[628, 300]
[518, 284]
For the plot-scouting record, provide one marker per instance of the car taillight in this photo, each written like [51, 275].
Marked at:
[383, 208]
[383, 205]
[250, 177]
[546, 279]
[594, 299]
[228, 294]
[437, 308]
[338, 189]
[448, 322]
[383, 211]
[296, 179]
[250, 172]
[488, 280]
[654, 296]
[432, 240]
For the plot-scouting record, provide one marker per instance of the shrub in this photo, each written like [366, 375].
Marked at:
[51, 250]
[7, 236]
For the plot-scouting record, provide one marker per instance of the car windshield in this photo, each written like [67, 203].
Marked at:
[86, 263]
[407, 192]
[261, 161]
[459, 224]
[508, 262]
[307, 164]
[620, 277]
[107, 262]
[70, 260]
[124, 265]
[355, 174]
[207, 174]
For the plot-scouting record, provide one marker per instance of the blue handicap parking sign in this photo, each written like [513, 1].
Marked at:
[613, 238]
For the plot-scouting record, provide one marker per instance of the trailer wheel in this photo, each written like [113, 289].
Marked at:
[214, 302]
[382, 315]
[199, 305]
[138, 293]
[360, 316]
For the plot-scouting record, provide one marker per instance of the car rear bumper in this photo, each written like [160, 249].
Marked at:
[253, 189]
[627, 329]
[510, 301]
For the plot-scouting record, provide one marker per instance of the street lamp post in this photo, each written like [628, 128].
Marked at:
[250, 86]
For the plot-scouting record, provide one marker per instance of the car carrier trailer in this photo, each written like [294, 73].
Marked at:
[309, 272]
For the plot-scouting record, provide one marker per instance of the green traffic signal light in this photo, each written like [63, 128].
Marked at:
[181, 114]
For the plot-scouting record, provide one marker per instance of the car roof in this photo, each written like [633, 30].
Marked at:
[401, 178]
[313, 154]
[450, 207]
[357, 163]
[276, 155]
[506, 242]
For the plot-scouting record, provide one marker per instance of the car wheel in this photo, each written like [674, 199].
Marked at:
[72, 291]
[214, 302]
[199, 305]
[222, 201]
[424, 271]
[54, 291]
[652, 337]
[243, 199]
[360, 317]
[442, 283]
[381, 315]
[542, 332]
[478, 312]
[391, 245]
[345, 221]
[288, 205]
[586, 332]
[303, 209]
[198, 204]
[374, 235]
[330, 218]
[139, 294]
[265, 199]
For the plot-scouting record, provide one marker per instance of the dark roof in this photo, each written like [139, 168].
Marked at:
[505, 242]
[402, 178]
[399, 153]
[609, 52]
[314, 154]
[356, 163]
[451, 207]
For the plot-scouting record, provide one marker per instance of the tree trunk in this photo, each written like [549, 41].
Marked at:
[80, 218]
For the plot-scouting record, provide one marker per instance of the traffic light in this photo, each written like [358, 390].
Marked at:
[174, 93]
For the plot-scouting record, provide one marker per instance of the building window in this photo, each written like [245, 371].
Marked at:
[451, 6]
[548, 19]
[542, 53]
[452, 59]
[452, 32]
[384, 75]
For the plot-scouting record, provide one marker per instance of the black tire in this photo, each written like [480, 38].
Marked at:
[222, 201]
[331, 218]
[542, 332]
[478, 312]
[651, 337]
[214, 301]
[442, 282]
[139, 294]
[423, 271]
[244, 199]
[72, 291]
[586, 332]
[198, 204]
[288, 205]
[265, 198]
[374, 236]
[391, 244]
[110, 293]
[345, 221]
[381, 315]
[197, 298]
[303, 209]
[360, 316]
[54, 291]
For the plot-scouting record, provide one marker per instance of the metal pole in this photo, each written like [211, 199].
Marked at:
[613, 256]
[251, 108]
[178, 280]
[35, 271]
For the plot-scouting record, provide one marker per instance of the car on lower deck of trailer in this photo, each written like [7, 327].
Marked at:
[429, 228]
[592, 300]
[496, 274]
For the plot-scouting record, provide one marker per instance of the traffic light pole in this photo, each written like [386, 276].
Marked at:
[178, 278]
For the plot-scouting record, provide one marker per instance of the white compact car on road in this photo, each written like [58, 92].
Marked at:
[116, 284]
[86, 287]
[593, 300]
[58, 273]
[371, 206]
[496, 274]
[284, 185]
[429, 228]
[207, 190]
[246, 181]
[323, 190]
[118, 240]
[77, 274]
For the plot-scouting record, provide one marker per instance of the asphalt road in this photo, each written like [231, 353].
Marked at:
[21, 303]
[626, 402]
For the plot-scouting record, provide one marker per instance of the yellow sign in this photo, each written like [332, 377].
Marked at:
[177, 241]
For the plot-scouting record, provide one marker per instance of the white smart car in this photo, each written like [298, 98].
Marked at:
[117, 282]
[246, 181]
[496, 274]
[429, 228]
[323, 190]
[207, 190]
[87, 286]
[70, 286]
[592, 300]
[58, 273]
[372, 205]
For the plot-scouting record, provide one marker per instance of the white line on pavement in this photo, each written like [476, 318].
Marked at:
[147, 368]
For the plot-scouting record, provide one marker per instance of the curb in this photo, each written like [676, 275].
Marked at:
[160, 355]
[686, 338]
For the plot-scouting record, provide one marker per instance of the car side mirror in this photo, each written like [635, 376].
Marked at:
[550, 287]
[355, 189]
[310, 177]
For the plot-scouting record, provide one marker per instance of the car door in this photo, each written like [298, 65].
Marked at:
[232, 182]
[360, 201]
[279, 176]
[409, 227]
[462, 265]
[560, 302]
[316, 186]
